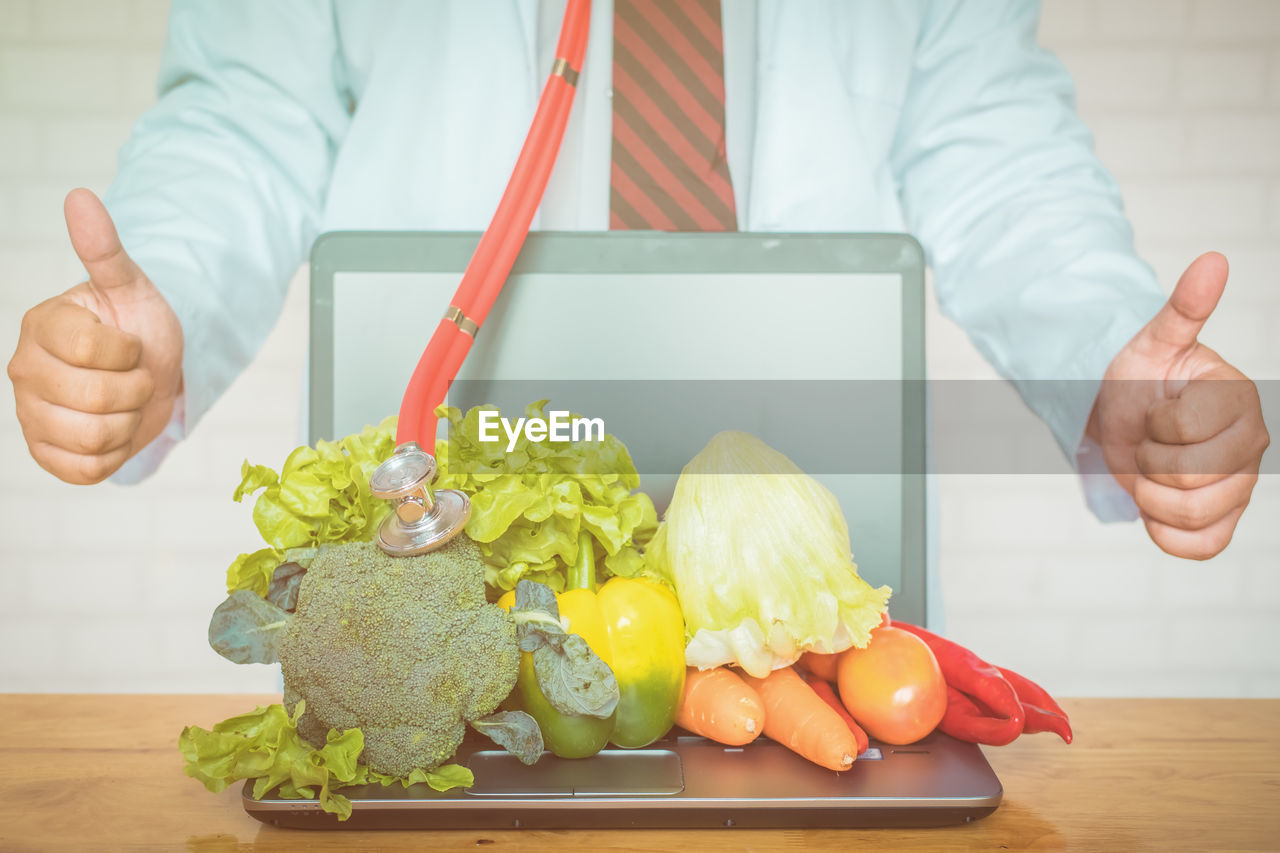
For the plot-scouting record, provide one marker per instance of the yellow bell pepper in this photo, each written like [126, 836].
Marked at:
[636, 627]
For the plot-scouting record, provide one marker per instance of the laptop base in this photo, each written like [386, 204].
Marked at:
[679, 782]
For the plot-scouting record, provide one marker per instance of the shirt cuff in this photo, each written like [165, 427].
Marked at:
[1105, 497]
[1072, 402]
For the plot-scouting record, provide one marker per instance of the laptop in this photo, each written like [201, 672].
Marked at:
[813, 342]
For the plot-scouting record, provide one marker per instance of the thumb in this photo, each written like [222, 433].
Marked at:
[93, 236]
[1194, 297]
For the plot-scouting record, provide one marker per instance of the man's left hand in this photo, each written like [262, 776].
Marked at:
[1180, 428]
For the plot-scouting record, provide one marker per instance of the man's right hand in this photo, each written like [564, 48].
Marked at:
[99, 367]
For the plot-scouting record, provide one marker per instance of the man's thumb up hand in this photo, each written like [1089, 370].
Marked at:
[1180, 428]
[97, 368]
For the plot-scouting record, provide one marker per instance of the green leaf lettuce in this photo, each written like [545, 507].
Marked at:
[320, 497]
[264, 745]
[529, 505]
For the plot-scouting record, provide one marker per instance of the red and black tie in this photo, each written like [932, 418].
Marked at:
[669, 171]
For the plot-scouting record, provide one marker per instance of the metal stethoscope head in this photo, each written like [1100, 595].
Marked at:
[422, 519]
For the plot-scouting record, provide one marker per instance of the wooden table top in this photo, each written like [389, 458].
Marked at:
[83, 772]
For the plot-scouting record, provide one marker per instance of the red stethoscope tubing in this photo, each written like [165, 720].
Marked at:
[496, 252]
[490, 286]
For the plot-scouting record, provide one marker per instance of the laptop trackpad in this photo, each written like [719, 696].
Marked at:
[609, 773]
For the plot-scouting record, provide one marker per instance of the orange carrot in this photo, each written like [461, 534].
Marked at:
[717, 704]
[828, 694]
[823, 666]
[798, 719]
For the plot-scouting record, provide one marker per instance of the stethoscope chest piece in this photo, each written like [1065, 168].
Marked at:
[422, 519]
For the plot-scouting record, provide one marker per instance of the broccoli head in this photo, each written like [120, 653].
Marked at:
[405, 648]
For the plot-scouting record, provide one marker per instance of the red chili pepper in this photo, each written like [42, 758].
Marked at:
[1041, 720]
[966, 720]
[828, 695]
[970, 674]
[1043, 713]
[1030, 692]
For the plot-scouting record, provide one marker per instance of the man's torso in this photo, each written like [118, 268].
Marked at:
[813, 99]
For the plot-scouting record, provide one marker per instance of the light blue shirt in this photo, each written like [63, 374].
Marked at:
[279, 120]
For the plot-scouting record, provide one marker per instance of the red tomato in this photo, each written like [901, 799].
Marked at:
[893, 687]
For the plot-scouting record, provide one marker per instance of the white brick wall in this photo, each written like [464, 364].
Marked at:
[1130, 20]
[1235, 21]
[1223, 77]
[1184, 100]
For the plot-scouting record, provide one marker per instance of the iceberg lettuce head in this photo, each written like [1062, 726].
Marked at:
[759, 555]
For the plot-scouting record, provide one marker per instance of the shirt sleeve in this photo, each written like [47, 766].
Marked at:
[221, 185]
[1023, 226]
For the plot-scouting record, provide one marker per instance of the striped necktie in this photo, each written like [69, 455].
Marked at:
[669, 171]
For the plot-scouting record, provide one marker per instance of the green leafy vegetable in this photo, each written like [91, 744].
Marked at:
[443, 778]
[573, 678]
[320, 497]
[253, 571]
[247, 629]
[264, 745]
[759, 555]
[449, 776]
[515, 731]
[539, 615]
[285, 582]
[528, 506]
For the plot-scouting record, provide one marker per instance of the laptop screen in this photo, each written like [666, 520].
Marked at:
[807, 348]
